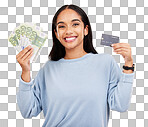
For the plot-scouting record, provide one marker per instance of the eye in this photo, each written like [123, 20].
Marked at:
[75, 24]
[61, 26]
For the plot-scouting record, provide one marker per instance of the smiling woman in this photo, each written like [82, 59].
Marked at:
[72, 34]
[76, 87]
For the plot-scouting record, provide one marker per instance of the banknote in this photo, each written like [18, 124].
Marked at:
[37, 45]
[13, 40]
[28, 34]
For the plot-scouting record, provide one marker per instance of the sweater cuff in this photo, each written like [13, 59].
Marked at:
[128, 78]
[25, 86]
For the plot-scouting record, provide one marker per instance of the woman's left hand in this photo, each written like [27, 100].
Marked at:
[125, 50]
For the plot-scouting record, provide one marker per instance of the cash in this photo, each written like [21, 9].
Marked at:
[28, 34]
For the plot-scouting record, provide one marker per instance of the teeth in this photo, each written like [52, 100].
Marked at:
[70, 38]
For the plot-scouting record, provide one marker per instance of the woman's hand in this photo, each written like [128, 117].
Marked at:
[23, 58]
[125, 50]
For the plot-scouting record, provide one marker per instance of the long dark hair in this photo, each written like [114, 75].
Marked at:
[58, 50]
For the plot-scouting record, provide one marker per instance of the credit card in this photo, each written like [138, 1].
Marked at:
[107, 40]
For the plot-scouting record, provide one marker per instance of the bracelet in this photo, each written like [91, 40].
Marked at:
[129, 68]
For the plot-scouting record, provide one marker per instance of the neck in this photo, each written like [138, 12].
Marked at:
[74, 55]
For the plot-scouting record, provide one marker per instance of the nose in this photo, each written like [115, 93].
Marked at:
[68, 31]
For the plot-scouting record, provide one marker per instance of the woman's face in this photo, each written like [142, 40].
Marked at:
[70, 29]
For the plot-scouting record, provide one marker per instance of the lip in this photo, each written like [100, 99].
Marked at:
[70, 40]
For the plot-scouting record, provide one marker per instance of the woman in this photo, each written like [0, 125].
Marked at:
[77, 87]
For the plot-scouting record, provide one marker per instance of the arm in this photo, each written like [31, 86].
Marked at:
[29, 98]
[125, 50]
[120, 88]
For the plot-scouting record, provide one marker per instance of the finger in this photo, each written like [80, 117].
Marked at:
[27, 54]
[23, 52]
[28, 57]
[121, 45]
[122, 53]
[121, 49]
[118, 44]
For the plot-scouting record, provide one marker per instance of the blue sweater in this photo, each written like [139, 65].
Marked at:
[76, 92]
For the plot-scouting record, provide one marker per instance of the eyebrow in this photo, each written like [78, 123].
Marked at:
[71, 21]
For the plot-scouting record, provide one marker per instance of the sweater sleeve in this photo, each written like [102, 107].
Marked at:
[120, 88]
[28, 97]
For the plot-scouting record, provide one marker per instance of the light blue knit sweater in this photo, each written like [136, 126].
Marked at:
[76, 92]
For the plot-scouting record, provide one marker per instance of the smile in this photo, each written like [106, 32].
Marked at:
[70, 39]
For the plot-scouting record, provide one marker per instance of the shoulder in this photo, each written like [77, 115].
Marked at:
[49, 64]
[105, 60]
[104, 57]
[102, 60]
[44, 67]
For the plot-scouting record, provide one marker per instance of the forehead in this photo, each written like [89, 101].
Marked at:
[68, 15]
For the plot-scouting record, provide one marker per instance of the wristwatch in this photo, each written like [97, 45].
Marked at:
[129, 68]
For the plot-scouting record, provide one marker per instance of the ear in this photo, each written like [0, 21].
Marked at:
[86, 30]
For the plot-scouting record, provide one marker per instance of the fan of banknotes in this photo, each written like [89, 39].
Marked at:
[28, 34]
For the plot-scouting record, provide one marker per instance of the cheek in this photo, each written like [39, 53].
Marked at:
[60, 34]
[81, 33]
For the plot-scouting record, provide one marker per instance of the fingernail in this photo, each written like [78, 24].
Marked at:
[112, 45]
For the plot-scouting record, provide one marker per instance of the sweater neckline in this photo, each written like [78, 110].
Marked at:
[77, 59]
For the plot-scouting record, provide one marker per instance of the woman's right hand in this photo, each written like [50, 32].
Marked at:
[23, 58]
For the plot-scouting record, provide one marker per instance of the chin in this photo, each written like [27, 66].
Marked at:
[70, 47]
